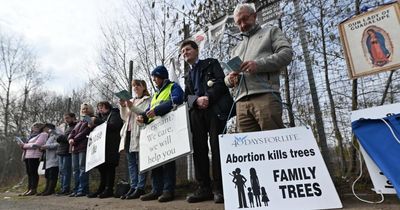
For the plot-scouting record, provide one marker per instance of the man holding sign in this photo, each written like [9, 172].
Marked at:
[168, 95]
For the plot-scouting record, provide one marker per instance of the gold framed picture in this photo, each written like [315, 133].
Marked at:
[371, 41]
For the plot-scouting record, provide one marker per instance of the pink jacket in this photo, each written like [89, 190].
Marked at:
[32, 147]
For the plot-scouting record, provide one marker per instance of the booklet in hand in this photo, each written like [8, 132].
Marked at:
[232, 65]
[87, 119]
[123, 95]
[19, 140]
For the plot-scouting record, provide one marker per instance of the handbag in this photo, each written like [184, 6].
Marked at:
[381, 140]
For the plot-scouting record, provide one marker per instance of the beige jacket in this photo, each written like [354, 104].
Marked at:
[125, 113]
[271, 50]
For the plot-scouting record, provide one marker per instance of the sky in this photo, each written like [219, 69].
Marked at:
[65, 35]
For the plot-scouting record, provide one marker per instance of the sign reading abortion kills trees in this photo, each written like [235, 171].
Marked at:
[371, 41]
[278, 169]
[96, 148]
[165, 139]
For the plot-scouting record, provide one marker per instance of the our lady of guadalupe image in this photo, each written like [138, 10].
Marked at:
[378, 47]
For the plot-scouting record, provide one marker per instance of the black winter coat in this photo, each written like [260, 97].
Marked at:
[219, 98]
[114, 125]
[63, 147]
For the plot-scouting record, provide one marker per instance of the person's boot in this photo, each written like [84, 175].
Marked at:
[136, 194]
[94, 194]
[45, 189]
[166, 196]
[131, 191]
[51, 188]
[31, 192]
[150, 196]
[107, 193]
[26, 191]
[201, 194]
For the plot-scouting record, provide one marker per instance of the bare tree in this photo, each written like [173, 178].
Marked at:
[315, 100]
[15, 58]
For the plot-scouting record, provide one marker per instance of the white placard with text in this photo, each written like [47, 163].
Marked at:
[96, 148]
[278, 169]
[165, 139]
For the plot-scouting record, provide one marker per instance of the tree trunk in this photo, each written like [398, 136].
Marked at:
[354, 106]
[7, 108]
[314, 95]
[336, 130]
[287, 91]
[388, 82]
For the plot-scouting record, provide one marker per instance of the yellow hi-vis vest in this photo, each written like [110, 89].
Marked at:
[161, 97]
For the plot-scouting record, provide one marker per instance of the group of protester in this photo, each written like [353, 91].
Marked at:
[264, 51]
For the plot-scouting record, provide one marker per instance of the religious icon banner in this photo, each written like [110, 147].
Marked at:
[277, 169]
[371, 41]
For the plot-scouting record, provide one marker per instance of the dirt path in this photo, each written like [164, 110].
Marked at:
[11, 201]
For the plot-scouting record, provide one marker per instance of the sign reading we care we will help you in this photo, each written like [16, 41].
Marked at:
[165, 139]
[278, 169]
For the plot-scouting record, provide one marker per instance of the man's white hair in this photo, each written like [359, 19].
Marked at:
[248, 6]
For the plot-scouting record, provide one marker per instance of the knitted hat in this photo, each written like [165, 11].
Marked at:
[161, 72]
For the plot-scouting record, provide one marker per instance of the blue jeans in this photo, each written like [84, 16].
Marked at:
[81, 178]
[137, 180]
[163, 178]
[65, 164]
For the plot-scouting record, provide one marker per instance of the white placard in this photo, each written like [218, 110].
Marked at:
[283, 169]
[379, 180]
[96, 148]
[165, 139]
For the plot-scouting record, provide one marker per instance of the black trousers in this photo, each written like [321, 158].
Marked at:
[107, 177]
[204, 122]
[51, 173]
[32, 165]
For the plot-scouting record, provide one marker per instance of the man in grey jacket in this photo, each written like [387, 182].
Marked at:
[264, 52]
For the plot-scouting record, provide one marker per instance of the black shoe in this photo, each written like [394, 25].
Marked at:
[80, 194]
[106, 194]
[30, 192]
[22, 194]
[72, 194]
[166, 196]
[218, 198]
[150, 196]
[131, 190]
[50, 192]
[93, 195]
[64, 192]
[201, 194]
[136, 194]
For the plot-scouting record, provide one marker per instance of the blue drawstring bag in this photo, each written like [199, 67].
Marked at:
[381, 140]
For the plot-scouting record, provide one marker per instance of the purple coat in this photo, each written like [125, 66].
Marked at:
[80, 135]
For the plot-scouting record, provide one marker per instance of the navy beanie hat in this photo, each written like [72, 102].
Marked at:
[161, 72]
